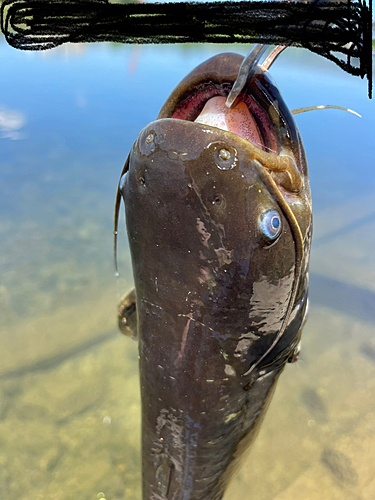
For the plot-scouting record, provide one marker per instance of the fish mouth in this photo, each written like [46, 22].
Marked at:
[206, 105]
[261, 117]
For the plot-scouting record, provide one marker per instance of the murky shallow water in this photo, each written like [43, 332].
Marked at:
[69, 396]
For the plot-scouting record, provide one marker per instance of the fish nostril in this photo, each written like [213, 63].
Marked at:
[146, 143]
[224, 154]
[218, 200]
[149, 138]
[225, 158]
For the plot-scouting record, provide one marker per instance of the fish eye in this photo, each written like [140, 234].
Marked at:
[271, 225]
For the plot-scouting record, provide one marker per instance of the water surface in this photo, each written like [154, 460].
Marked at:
[69, 396]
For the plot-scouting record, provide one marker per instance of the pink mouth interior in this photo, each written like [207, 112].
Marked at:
[205, 104]
[237, 120]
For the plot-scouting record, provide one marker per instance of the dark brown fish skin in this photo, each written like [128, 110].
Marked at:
[212, 293]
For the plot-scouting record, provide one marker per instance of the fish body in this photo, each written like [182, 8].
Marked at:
[219, 230]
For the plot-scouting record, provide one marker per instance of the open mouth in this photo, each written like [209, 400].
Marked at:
[205, 104]
[260, 117]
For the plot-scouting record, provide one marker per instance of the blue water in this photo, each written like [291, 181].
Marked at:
[68, 118]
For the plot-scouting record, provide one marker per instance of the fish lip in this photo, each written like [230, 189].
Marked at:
[215, 77]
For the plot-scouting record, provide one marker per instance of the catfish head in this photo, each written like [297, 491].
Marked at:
[218, 215]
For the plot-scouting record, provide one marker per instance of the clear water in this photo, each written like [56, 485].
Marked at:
[69, 398]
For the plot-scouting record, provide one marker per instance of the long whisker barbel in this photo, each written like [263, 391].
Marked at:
[297, 111]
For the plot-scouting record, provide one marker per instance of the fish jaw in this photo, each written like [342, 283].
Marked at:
[192, 218]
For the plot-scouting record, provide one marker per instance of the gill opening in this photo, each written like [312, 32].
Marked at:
[299, 252]
[117, 214]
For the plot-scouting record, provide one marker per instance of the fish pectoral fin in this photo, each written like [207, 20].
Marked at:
[127, 315]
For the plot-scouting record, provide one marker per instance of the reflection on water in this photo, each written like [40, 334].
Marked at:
[69, 396]
[11, 122]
